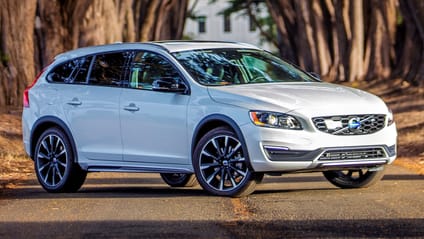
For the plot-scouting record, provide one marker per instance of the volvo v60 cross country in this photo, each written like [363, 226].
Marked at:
[220, 112]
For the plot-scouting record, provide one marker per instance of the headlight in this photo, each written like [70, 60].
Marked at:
[274, 120]
[390, 119]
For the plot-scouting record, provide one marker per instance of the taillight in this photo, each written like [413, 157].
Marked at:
[26, 91]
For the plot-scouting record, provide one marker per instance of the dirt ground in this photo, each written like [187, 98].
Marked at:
[406, 102]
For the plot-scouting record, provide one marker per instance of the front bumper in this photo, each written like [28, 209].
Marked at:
[277, 150]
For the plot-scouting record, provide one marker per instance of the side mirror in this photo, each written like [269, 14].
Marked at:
[169, 85]
[315, 75]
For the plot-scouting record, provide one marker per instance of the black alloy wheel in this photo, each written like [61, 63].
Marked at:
[221, 164]
[54, 163]
[356, 178]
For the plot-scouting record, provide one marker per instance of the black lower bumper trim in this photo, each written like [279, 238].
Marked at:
[330, 154]
[276, 154]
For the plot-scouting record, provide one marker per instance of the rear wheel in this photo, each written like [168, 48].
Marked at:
[54, 163]
[358, 178]
[221, 164]
[179, 179]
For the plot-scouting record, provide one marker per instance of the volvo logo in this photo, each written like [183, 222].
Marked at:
[354, 123]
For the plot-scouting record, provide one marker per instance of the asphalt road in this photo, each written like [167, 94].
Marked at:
[289, 206]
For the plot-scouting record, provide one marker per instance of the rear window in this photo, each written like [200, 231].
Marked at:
[71, 72]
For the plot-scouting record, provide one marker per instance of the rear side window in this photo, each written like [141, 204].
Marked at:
[108, 69]
[71, 72]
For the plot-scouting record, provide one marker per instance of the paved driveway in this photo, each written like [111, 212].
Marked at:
[142, 206]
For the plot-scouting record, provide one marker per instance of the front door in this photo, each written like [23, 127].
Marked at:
[153, 124]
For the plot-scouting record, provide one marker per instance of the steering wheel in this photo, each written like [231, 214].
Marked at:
[258, 79]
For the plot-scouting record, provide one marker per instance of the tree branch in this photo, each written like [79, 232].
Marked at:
[252, 16]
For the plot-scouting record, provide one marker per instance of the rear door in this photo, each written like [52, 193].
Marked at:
[92, 108]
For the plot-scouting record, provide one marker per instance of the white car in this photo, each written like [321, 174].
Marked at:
[220, 112]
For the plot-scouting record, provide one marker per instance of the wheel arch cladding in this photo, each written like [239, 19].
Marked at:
[45, 123]
[217, 120]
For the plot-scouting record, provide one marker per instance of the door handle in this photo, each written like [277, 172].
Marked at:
[75, 101]
[131, 107]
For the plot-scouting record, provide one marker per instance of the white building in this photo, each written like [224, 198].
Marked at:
[210, 25]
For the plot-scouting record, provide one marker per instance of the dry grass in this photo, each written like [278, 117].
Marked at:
[14, 164]
[407, 104]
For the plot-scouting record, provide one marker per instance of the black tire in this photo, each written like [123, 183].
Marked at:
[54, 163]
[358, 178]
[179, 179]
[221, 164]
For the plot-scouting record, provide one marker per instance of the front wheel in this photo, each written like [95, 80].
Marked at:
[221, 164]
[358, 178]
[179, 179]
[54, 163]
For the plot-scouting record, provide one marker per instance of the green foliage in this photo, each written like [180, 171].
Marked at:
[4, 58]
[236, 6]
[399, 19]
[187, 37]
[257, 10]
[268, 26]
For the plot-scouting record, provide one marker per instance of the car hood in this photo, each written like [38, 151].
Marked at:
[308, 98]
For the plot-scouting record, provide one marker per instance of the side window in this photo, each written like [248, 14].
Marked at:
[148, 67]
[212, 68]
[108, 68]
[71, 72]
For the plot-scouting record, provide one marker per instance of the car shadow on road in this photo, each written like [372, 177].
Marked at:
[104, 191]
[132, 191]
[134, 188]
[341, 228]
[154, 187]
[403, 177]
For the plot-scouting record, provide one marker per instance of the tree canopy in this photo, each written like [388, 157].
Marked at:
[345, 40]
[32, 32]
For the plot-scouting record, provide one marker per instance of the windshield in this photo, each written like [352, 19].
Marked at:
[238, 66]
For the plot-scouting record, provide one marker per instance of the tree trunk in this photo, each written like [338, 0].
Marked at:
[16, 49]
[320, 33]
[161, 20]
[336, 71]
[351, 40]
[380, 41]
[307, 55]
[411, 65]
[61, 25]
[356, 52]
[147, 29]
[284, 16]
[170, 19]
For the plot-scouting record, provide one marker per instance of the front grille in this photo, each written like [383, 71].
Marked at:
[350, 124]
[353, 154]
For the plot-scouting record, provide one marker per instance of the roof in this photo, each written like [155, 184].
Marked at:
[177, 46]
[169, 46]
